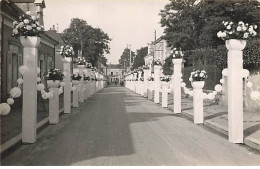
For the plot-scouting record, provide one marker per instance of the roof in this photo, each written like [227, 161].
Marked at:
[158, 40]
[55, 35]
[114, 66]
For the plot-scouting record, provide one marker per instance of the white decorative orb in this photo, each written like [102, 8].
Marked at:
[204, 95]
[38, 79]
[249, 84]
[38, 70]
[10, 101]
[62, 84]
[45, 96]
[211, 96]
[245, 73]
[50, 94]
[222, 81]
[65, 73]
[255, 95]
[60, 91]
[15, 92]
[22, 69]
[20, 81]
[215, 92]
[183, 84]
[218, 88]
[225, 72]
[40, 87]
[4, 109]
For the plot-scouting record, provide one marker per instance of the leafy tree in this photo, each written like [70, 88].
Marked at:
[124, 60]
[139, 59]
[94, 42]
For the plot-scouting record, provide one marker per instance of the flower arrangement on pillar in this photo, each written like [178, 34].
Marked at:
[67, 52]
[54, 77]
[150, 78]
[177, 53]
[197, 78]
[141, 79]
[76, 79]
[81, 62]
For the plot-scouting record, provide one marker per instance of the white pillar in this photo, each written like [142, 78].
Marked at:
[145, 86]
[150, 90]
[29, 109]
[67, 86]
[198, 116]
[235, 90]
[76, 96]
[54, 106]
[177, 85]
[81, 85]
[164, 94]
[157, 83]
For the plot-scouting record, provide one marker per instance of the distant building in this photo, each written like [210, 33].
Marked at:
[114, 72]
[11, 49]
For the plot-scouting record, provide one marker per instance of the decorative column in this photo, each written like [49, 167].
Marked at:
[177, 85]
[81, 85]
[157, 69]
[139, 85]
[54, 103]
[145, 86]
[235, 89]
[165, 94]
[76, 93]
[198, 116]
[67, 85]
[29, 109]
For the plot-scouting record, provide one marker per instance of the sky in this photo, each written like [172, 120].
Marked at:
[125, 21]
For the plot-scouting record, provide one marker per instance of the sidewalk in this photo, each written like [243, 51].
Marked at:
[215, 117]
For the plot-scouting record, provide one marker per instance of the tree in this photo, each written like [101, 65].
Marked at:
[139, 59]
[93, 41]
[124, 60]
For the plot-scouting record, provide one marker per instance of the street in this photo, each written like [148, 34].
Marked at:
[119, 127]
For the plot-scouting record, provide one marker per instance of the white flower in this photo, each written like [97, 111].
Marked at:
[244, 28]
[15, 23]
[240, 23]
[26, 21]
[239, 28]
[229, 27]
[34, 26]
[29, 27]
[21, 24]
[176, 52]
[196, 75]
[245, 35]
[254, 33]
[255, 26]
[230, 32]
[39, 28]
[219, 34]
[224, 34]
[174, 48]
[249, 84]
[34, 18]
[226, 23]
[190, 79]
[201, 74]
[15, 31]
[28, 12]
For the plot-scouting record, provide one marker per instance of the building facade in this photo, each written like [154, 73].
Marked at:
[114, 73]
[12, 50]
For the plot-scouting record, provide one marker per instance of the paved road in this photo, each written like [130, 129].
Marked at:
[118, 127]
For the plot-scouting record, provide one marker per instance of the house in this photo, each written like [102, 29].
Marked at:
[114, 72]
[12, 50]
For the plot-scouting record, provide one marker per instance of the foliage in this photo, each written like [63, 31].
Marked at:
[93, 41]
[28, 25]
[54, 74]
[168, 66]
[124, 60]
[80, 61]
[139, 59]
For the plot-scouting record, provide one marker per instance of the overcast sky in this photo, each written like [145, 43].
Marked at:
[125, 21]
